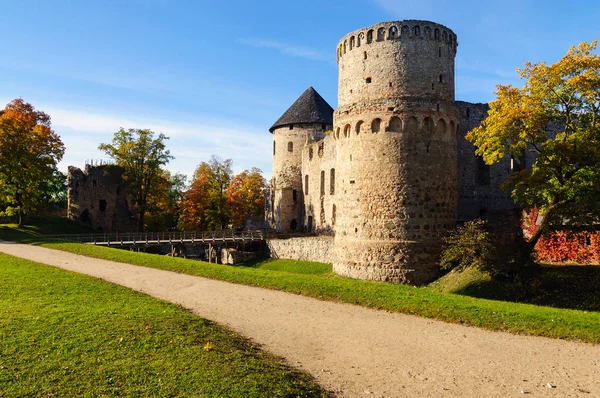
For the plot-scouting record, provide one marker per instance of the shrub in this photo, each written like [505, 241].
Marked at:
[468, 246]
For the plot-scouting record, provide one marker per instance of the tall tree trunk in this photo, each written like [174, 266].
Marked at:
[21, 218]
[141, 221]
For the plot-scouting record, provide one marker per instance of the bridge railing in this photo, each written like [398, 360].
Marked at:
[117, 238]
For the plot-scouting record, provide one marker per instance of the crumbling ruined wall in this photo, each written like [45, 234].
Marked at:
[98, 197]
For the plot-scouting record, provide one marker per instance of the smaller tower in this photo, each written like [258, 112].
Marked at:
[306, 120]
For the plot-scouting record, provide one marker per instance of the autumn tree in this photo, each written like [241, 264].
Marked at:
[141, 156]
[204, 205]
[163, 202]
[556, 116]
[29, 153]
[246, 195]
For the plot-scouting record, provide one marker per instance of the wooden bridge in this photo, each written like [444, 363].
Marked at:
[165, 238]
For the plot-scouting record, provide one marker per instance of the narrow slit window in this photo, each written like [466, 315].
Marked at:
[332, 181]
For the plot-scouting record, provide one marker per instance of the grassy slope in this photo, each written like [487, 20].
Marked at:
[561, 286]
[65, 334]
[489, 314]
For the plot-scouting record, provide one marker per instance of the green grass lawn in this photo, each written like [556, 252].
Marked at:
[293, 266]
[426, 302]
[63, 334]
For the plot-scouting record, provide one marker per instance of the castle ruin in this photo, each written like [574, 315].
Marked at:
[97, 197]
[389, 173]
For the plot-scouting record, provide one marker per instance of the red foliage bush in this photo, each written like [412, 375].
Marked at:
[580, 247]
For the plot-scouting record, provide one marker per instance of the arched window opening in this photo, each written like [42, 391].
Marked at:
[358, 126]
[428, 126]
[347, 131]
[427, 32]
[436, 34]
[290, 146]
[337, 134]
[359, 39]
[375, 125]
[395, 124]
[345, 45]
[392, 33]
[445, 37]
[404, 31]
[310, 153]
[332, 181]
[370, 36]
[468, 112]
[417, 30]
[450, 39]
[380, 34]
[352, 40]
[102, 205]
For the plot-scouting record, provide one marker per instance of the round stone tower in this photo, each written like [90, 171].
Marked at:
[307, 119]
[395, 131]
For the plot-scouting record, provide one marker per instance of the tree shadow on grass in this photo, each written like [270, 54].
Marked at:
[561, 286]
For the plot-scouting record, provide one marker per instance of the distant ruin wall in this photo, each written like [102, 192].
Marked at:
[97, 197]
[312, 248]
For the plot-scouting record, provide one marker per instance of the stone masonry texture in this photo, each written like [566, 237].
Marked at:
[395, 172]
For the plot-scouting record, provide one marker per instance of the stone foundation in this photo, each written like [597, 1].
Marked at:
[313, 248]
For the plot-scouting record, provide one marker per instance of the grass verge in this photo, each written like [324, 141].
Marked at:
[65, 334]
[488, 314]
[560, 286]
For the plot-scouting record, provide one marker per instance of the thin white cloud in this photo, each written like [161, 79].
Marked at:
[190, 142]
[288, 49]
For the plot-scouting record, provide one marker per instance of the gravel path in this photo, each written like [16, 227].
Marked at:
[359, 352]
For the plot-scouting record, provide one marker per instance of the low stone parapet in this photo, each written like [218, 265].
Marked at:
[309, 248]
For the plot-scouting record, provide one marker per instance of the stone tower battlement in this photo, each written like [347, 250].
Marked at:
[396, 59]
[385, 183]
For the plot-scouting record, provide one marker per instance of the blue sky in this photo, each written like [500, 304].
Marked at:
[214, 76]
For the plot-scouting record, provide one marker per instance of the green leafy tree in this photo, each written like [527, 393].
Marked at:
[141, 156]
[556, 116]
[29, 153]
[54, 190]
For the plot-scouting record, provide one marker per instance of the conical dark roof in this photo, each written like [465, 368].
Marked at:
[309, 108]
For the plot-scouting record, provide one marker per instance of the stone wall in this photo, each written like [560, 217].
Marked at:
[286, 185]
[415, 58]
[318, 163]
[312, 248]
[479, 186]
[97, 197]
[396, 153]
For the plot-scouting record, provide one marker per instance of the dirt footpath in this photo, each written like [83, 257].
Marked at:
[359, 352]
